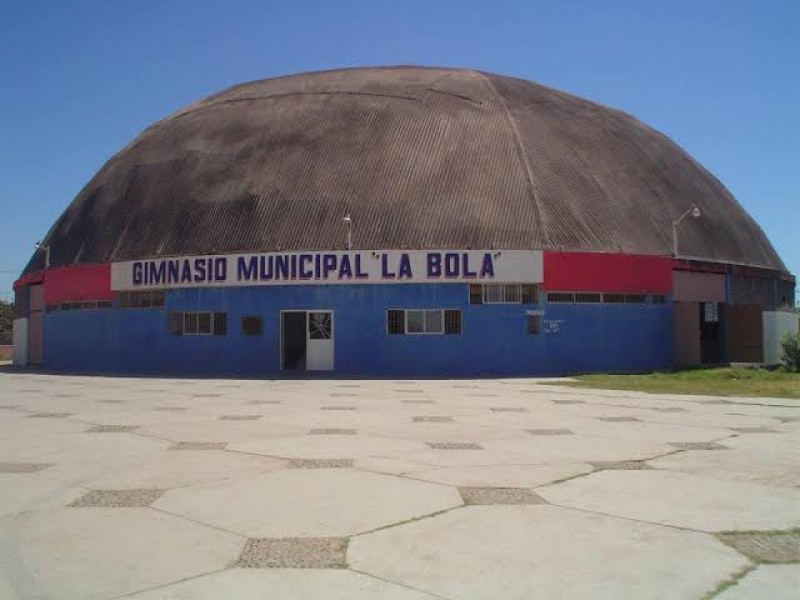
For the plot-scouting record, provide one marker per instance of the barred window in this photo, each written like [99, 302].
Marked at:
[452, 322]
[476, 294]
[614, 298]
[560, 297]
[428, 321]
[251, 325]
[588, 298]
[635, 298]
[395, 322]
[533, 324]
[198, 323]
[659, 299]
[141, 299]
[504, 293]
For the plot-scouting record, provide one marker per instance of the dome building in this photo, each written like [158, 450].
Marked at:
[400, 221]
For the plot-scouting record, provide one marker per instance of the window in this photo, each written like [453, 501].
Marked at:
[560, 297]
[588, 298]
[504, 293]
[320, 325]
[143, 299]
[614, 298]
[198, 323]
[533, 324]
[251, 325]
[595, 297]
[475, 294]
[709, 312]
[424, 321]
[395, 322]
[452, 322]
[415, 321]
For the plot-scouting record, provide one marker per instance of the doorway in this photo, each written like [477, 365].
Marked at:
[307, 340]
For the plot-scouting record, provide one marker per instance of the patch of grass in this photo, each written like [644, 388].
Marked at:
[724, 381]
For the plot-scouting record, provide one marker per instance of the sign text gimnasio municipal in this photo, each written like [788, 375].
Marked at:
[339, 267]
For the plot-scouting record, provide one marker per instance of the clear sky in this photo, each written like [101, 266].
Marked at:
[81, 79]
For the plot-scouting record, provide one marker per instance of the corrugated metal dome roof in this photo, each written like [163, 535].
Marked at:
[420, 157]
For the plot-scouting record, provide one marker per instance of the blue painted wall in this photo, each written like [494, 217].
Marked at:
[575, 337]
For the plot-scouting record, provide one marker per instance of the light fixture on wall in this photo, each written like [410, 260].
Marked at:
[695, 213]
[46, 248]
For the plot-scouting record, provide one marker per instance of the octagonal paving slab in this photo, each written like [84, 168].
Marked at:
[776, 469]
[294, 584]
[327, 446]
[93, 553]
[523, 552]
[680, 499]
[172, 469]
[309, 502]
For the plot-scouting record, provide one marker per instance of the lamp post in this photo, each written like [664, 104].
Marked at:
[695, 212]
[46, 248]
[349, 223]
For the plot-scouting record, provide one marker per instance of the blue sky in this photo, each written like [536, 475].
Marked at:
[81, 79]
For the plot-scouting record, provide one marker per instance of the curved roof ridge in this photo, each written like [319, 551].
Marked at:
[522, 158]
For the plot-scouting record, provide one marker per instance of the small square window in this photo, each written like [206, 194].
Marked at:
[251, 325]
[433, 321]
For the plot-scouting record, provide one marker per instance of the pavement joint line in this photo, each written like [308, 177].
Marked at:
[631, 519]
[400, 584]
[731, 581]
[167, 584]
[196, 522]
[411, 520]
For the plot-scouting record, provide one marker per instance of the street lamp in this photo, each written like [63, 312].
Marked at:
[349, 223]
[695, 212]
[46, 248]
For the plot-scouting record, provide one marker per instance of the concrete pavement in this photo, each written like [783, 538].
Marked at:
[156, 488]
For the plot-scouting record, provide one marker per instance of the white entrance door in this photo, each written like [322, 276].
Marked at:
[319, 344]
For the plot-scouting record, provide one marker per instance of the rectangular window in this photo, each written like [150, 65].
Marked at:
[533, 324]
[560, 297]
[416, 321]
[198, 323]
[588, 298]
[710, 312]
[452, 322]
[396, 322]
[204, 323]
[143, 299]
[475, 294]
[614, 298]
[434, 321]
[659, 299]
[251, 325]
[635, 298]
[190, 323]
[530, 293]
[504, 293]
